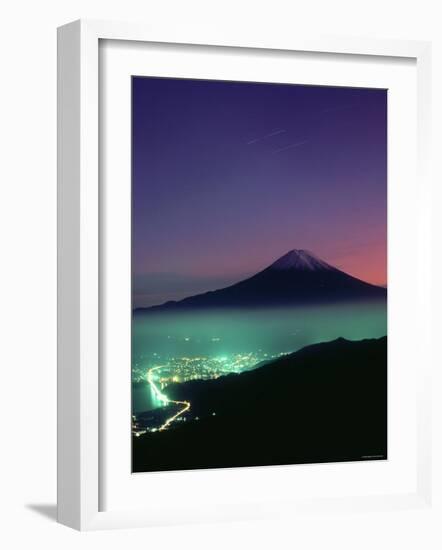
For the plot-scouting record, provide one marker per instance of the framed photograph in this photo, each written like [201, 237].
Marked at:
[236, 284]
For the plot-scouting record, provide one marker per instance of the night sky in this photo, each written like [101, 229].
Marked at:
[229, 176]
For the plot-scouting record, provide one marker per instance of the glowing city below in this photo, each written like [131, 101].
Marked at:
[161, 372]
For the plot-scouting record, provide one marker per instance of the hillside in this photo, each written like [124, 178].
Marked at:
[326, 402]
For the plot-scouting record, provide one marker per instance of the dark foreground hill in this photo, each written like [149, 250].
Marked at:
[298, 277]
[324, 403]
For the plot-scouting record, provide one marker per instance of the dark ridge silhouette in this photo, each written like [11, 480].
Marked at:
[324, 403]
[298, 277]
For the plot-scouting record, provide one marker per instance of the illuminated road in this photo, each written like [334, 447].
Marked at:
[164, 399]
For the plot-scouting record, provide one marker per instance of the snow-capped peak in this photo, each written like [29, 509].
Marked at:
[300, 260]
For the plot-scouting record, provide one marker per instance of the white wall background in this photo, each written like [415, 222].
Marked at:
[28, 260]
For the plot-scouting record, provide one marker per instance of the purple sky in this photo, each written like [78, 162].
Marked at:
[228, 176]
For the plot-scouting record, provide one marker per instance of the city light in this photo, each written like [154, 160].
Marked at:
[162, 397]
[177, 370]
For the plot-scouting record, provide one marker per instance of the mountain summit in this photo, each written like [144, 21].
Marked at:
[301, 259]
[297, 278]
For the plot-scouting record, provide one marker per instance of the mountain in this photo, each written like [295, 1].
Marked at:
[298, 277]
[324, 403]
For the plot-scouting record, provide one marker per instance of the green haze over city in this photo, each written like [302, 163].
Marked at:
[205, 344]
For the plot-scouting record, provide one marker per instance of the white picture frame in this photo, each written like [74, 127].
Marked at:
[79, 265]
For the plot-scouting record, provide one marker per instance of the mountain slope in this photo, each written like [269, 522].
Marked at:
[324, 403]
[298, 277]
